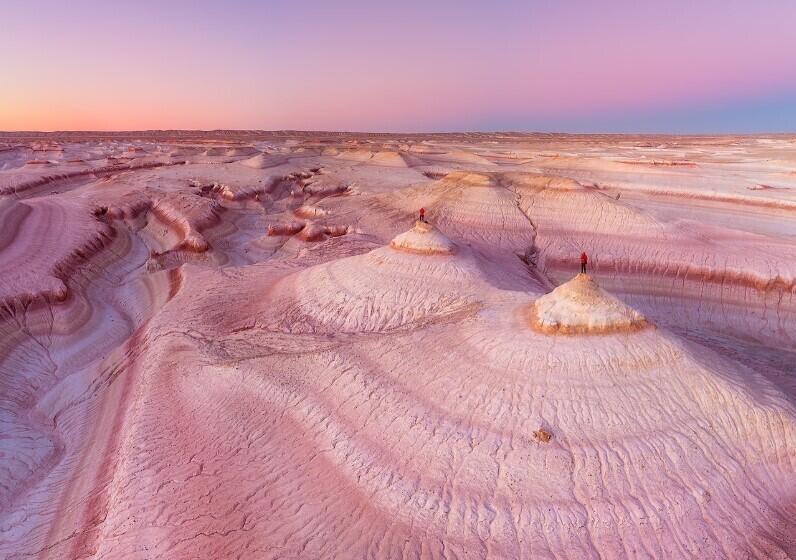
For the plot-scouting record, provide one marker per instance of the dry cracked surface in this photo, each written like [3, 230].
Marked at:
[242, 345]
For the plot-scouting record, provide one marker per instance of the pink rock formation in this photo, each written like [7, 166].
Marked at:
[581, 306]
[423, 239]
[204, 355]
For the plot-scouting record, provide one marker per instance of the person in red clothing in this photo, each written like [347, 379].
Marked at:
[583, 262]
[422, 214]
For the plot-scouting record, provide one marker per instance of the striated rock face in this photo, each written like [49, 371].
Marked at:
[204, 355]
[476, 207]
[42, 246]
[581, 306]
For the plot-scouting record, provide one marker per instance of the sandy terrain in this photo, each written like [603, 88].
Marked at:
[243, 345]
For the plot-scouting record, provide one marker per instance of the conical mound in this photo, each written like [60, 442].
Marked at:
[416, 279]
[581, 306]
[423, 239]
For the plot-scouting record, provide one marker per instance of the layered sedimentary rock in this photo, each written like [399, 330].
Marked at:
[245, 346]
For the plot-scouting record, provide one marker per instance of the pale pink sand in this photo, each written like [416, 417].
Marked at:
[230, 345]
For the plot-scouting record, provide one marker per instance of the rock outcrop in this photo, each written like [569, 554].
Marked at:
[423, 239]
[580, 306]
[418, 277]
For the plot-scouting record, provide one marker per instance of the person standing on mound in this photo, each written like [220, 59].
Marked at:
[583, 262]
[422, 215]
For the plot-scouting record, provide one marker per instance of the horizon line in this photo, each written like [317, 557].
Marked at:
[400, 133]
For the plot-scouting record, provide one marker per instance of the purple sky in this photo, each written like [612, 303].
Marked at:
[568, 65]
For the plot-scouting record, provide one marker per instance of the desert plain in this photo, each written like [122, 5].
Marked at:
[245, 345]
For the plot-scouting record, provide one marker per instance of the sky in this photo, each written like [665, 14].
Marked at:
[693, 66]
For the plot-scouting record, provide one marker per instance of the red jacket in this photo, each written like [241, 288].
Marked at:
[583, 258]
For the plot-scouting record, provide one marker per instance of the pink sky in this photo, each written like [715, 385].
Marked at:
[400, 66]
